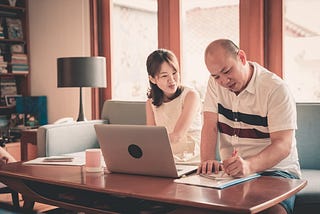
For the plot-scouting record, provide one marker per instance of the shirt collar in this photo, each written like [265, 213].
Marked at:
[251, 85]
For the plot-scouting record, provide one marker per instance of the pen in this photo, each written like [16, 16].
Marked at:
[234, 154]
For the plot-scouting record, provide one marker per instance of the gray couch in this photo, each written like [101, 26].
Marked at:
[308, 143]
[57, 139]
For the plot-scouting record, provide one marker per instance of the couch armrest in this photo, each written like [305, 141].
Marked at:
[57, 139]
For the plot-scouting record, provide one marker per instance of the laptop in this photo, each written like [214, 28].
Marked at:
[139, 149]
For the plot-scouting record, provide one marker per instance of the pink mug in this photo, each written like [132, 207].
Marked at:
[93, 160]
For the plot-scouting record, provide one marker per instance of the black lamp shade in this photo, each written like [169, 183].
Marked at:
[82, 72]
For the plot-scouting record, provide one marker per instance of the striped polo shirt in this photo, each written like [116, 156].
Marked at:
[245, 121]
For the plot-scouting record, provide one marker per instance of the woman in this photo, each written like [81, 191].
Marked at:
[174, 106]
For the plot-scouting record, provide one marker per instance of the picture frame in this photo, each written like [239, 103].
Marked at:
[14, 28]
[35, 110]
[11, 100]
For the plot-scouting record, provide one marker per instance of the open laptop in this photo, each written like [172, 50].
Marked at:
[139, 149]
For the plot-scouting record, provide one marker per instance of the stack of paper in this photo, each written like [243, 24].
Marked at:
[218, 181]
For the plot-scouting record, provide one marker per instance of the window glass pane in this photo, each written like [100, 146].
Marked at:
[202, 22]
[302, 49]
[135, 36]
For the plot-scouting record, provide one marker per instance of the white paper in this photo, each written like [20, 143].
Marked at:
[79, 159]
[198, 180]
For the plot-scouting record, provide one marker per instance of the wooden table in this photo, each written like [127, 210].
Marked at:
[71, 187]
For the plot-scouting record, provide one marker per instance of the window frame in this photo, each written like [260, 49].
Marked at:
[260, 33]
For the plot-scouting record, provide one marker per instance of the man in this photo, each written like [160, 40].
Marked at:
[255, 116]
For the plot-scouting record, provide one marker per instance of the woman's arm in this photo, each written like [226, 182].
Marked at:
[190, 108]
[149, 113]
[5, 157]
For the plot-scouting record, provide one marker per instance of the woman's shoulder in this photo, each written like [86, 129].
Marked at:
[190, 94]
[149, 102]
[188, 91]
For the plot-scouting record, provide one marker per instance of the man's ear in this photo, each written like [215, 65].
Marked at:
[151, 79]
[242, 56]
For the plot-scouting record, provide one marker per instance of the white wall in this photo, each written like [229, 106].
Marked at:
[58, 28]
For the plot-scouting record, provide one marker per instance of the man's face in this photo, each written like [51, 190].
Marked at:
[227, 70]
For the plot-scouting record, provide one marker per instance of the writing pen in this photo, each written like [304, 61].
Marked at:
[234, 154]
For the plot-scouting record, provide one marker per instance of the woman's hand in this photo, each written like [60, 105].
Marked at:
[5, 157]
[3, 160]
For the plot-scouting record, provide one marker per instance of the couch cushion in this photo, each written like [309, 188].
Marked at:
[57, 139]
[308, 199]
[124, 112]
[308, 135]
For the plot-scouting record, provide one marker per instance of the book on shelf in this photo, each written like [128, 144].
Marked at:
[3, 66]
[19, 68]
[19, 63]
[19, 58]
[8, 86]
[1, 29]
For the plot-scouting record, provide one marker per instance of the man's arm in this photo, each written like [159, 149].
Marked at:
[278, 150]
[208, 144]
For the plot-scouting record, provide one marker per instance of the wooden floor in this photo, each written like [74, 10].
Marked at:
[38, 207]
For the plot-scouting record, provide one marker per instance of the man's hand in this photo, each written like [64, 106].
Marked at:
[209, 166]
[236, 166]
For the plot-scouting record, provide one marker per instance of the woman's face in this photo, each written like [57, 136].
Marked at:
[168, 80]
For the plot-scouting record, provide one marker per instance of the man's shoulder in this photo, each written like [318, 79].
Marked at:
[266, 78]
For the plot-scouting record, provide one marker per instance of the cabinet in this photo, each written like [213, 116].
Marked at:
[14, 57]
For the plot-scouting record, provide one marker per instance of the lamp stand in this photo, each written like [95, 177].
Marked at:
[81, 116]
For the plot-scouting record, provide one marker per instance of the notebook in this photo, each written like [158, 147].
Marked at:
[218, 182]
[139, 149]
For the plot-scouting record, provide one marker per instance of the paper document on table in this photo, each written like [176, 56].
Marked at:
[212, 181]
[221, 175]
[58, 160]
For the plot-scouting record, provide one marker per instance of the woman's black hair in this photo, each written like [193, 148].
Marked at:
[154, 62]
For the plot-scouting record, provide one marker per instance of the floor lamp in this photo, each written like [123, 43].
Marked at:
[82, 72]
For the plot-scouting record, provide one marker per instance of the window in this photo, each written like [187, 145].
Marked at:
[135, 36]
[203, 22]
[302, 49]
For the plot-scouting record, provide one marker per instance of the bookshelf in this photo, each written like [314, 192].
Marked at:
[14, 59]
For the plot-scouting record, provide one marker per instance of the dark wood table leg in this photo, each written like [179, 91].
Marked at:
[27, 136]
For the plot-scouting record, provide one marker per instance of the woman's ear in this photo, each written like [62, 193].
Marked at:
[151, 79]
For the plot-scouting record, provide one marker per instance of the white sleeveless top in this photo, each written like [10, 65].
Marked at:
[188, 148]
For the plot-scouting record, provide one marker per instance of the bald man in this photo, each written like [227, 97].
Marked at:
[254, 114]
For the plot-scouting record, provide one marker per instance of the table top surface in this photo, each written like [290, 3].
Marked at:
[248, 197]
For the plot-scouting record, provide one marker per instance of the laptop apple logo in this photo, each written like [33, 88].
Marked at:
[135, 151]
